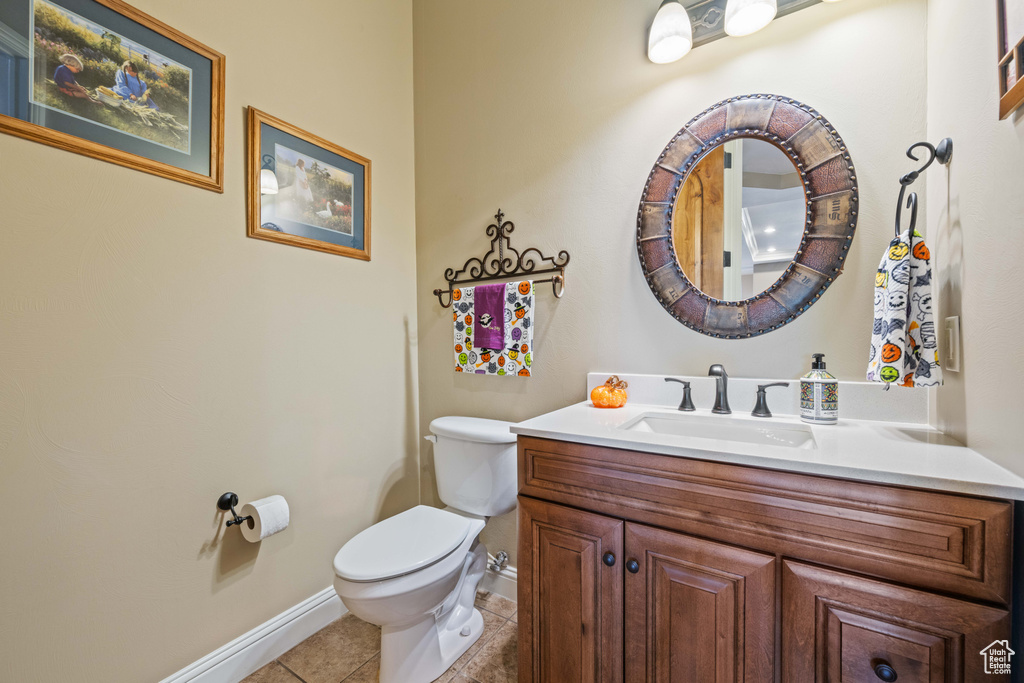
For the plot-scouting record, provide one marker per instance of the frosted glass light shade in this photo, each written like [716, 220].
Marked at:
[743, 17]
[268, 182]
[671, 35]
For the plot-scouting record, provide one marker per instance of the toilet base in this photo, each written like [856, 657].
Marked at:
[423, 650]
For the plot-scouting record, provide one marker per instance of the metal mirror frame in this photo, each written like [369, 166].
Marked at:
[831, 196]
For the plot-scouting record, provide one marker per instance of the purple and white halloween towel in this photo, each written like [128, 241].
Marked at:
[515, 357]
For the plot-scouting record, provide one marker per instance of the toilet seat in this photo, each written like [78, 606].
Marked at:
[405, 543]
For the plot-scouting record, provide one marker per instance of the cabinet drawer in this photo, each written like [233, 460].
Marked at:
[838, 627]
[939, 541]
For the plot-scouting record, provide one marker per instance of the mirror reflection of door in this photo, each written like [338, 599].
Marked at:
[697, 227]
[739, 219]
[732, 225]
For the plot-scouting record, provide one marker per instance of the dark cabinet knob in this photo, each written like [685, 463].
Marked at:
[632, 566]
[609, 559]
[885, 672]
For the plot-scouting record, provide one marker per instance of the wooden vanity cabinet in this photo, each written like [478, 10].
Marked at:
[572, 580]
[694, 610]
[697, 610]
[640, 567]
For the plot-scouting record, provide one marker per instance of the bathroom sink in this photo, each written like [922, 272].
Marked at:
[737, 430]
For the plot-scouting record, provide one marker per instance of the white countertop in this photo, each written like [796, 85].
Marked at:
[883, 452]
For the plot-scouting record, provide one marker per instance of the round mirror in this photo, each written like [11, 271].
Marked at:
[739, 219]
[747, 216]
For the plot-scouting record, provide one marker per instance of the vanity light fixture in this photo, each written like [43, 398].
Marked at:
[268, 180]
[671, 35]
[743, 17]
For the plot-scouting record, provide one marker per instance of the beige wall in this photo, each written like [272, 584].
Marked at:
[976, 210]
[153, 357]
[552, 111]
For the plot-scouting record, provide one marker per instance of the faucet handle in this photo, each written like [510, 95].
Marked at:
[761, 407]
[687, 402]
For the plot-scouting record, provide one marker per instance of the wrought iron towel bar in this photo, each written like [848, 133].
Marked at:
[504, 262]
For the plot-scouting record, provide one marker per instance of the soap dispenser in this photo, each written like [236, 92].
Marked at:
[819, 394]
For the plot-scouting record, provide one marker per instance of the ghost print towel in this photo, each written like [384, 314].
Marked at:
[904, 348]
[516, 358]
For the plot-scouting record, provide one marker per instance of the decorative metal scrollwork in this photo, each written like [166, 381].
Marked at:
[503, 261]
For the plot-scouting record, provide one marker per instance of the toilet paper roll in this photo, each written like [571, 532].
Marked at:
[269, 515]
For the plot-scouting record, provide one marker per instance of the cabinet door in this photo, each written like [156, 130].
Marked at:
[840, 627]
[570, 595]
[697, 611]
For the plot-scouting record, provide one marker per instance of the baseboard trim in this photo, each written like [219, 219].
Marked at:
[265, 643]
[502, 583]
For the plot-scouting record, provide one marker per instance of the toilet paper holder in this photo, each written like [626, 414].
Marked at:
[228, 501]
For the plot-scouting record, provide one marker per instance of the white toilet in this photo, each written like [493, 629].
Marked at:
[416, 574]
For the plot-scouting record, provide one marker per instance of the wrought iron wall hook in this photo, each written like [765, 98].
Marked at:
[504, 262]
[912, 205]
[943, 154]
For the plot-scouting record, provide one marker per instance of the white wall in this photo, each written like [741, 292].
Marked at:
[153, 357]
[976, 212]
[552, 111]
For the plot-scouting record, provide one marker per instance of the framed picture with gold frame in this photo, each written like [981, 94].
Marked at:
[306, 191]
[1011, 55]
[103, 79]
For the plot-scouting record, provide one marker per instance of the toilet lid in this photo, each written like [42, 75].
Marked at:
[473, 429]
[409, 541]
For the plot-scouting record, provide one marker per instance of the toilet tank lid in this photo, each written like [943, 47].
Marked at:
[473, 429]
[402, 544]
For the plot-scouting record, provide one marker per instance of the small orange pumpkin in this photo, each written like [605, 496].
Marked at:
[458, 348]
[525, 348]
[611, 394]
[524, 373]
[468, 319]
[524, 287]
[457, 294]
[891, 353]
[921, 251]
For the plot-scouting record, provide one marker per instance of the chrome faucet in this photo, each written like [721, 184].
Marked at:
[721, 390]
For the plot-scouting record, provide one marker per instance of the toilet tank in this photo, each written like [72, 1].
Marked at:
[475, 464]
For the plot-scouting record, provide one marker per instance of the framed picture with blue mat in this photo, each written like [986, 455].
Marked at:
[103, 79]
[306, 191]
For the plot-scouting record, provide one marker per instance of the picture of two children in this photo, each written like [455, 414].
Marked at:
[87, 71]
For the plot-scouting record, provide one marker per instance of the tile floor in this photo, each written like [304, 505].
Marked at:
[349, 651]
